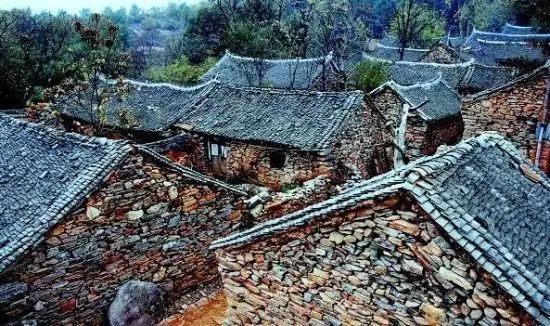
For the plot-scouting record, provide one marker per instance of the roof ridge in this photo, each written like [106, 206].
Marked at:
[517, 26]
[483, 41]
[70, 136]
[420, 63]
[185, 171]
[168, 85]
[289, 91]
[423, 85]
[509, 35]
[326, 58]
[397, 48]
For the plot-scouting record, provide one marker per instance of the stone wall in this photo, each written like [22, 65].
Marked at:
[424, 138]
[145, 223]
[384, 263]
[514, 113]
[251, 163]
[441, 54]
[421, 138]
[390, 105]
[364, 146]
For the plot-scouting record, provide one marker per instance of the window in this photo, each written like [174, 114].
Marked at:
[216, 150]
[277, 160]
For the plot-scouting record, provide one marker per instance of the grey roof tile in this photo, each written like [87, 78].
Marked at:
[433, 100]
[470, 74]
[300, 119]
[256, 72]
[143, 107]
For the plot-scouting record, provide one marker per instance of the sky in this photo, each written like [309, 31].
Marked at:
[74, 6]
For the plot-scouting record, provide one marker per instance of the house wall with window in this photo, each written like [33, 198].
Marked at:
[273, 167]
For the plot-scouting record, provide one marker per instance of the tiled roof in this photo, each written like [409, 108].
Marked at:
[299, 119]
[514, 29]
[544, 70]
[433, 100]
[486, 198]
[502, 37]
[392, 53]
[492, 53]
[144, 107]
[47, 173]
[467, 74]
[257, 72]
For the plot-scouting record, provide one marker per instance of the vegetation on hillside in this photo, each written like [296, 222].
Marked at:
[176, 43]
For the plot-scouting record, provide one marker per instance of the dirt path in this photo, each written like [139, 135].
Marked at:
[209, 314]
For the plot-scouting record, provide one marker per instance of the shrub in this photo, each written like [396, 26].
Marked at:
[370, 74]
[180, 71]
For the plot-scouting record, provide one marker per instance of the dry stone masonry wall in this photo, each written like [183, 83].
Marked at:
[363, 147]
[146, 223]
[384, 263]
[251, 163]
[513, 112]
[421, 137]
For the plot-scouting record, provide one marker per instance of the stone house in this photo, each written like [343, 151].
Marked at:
[300, 74]
[519, 110]
[442, 53]
[79, 216]
[142, 112]
[278, 138]
[466, 77]
[459, 238]
[424, 115]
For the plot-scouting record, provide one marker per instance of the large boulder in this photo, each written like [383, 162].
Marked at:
[137, 304]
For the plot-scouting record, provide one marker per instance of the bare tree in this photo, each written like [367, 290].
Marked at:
[409, 21]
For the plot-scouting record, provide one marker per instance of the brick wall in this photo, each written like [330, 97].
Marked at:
[145, 223]
[513, 113]
[384, 263]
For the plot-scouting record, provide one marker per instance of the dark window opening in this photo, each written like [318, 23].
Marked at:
[277, 160]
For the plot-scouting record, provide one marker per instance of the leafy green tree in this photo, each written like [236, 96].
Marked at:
[180, 71]
[368, 74]
[34, 54]
[486, 14]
